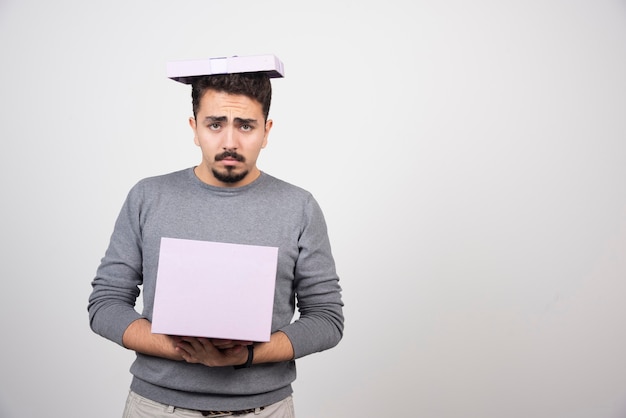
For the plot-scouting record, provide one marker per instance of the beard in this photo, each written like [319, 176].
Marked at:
[229, 176]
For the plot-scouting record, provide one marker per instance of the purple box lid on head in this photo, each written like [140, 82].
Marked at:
[186, 71]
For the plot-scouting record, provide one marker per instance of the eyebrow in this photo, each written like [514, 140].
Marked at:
[241, 121]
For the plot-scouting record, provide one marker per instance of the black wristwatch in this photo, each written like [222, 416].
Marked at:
[248, 363]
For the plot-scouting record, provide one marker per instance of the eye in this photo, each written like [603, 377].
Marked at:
[214, 126]
[246, 128]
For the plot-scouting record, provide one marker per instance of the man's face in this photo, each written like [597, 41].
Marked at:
[231, 131]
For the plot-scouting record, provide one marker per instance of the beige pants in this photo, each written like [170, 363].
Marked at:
[140, 407]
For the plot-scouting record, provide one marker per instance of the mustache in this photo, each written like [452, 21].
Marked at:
[230, 154]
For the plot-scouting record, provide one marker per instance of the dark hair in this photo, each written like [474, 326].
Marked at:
[256, 86]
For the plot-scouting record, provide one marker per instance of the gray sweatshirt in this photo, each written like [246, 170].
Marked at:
[267, 212]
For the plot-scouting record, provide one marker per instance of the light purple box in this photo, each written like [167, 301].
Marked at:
[214, 290]
[185, 71]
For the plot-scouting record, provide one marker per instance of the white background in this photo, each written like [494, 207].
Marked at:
[470, 158]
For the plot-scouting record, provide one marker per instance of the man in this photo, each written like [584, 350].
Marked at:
[225, 198]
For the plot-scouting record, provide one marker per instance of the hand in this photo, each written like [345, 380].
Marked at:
[226, 344]
[212, 353]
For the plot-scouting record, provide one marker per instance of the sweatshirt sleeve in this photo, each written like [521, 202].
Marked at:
[115, 288]
[320, 323]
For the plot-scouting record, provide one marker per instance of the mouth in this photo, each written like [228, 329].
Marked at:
[229, 162]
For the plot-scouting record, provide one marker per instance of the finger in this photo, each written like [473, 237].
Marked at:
[188, 357]
[224, 344]
[195, 343]
[185, 347]
[235, 350]
[221, 344]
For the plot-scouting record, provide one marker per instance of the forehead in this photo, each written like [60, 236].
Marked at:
[219, 103]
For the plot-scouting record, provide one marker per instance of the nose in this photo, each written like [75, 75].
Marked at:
[230, 141]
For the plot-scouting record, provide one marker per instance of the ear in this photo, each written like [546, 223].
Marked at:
[268, 127]
[192, 123]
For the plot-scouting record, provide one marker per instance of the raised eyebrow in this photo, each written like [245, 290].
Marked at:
[213, 119]
[245, 121]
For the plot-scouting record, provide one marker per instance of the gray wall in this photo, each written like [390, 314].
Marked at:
[470, 158]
